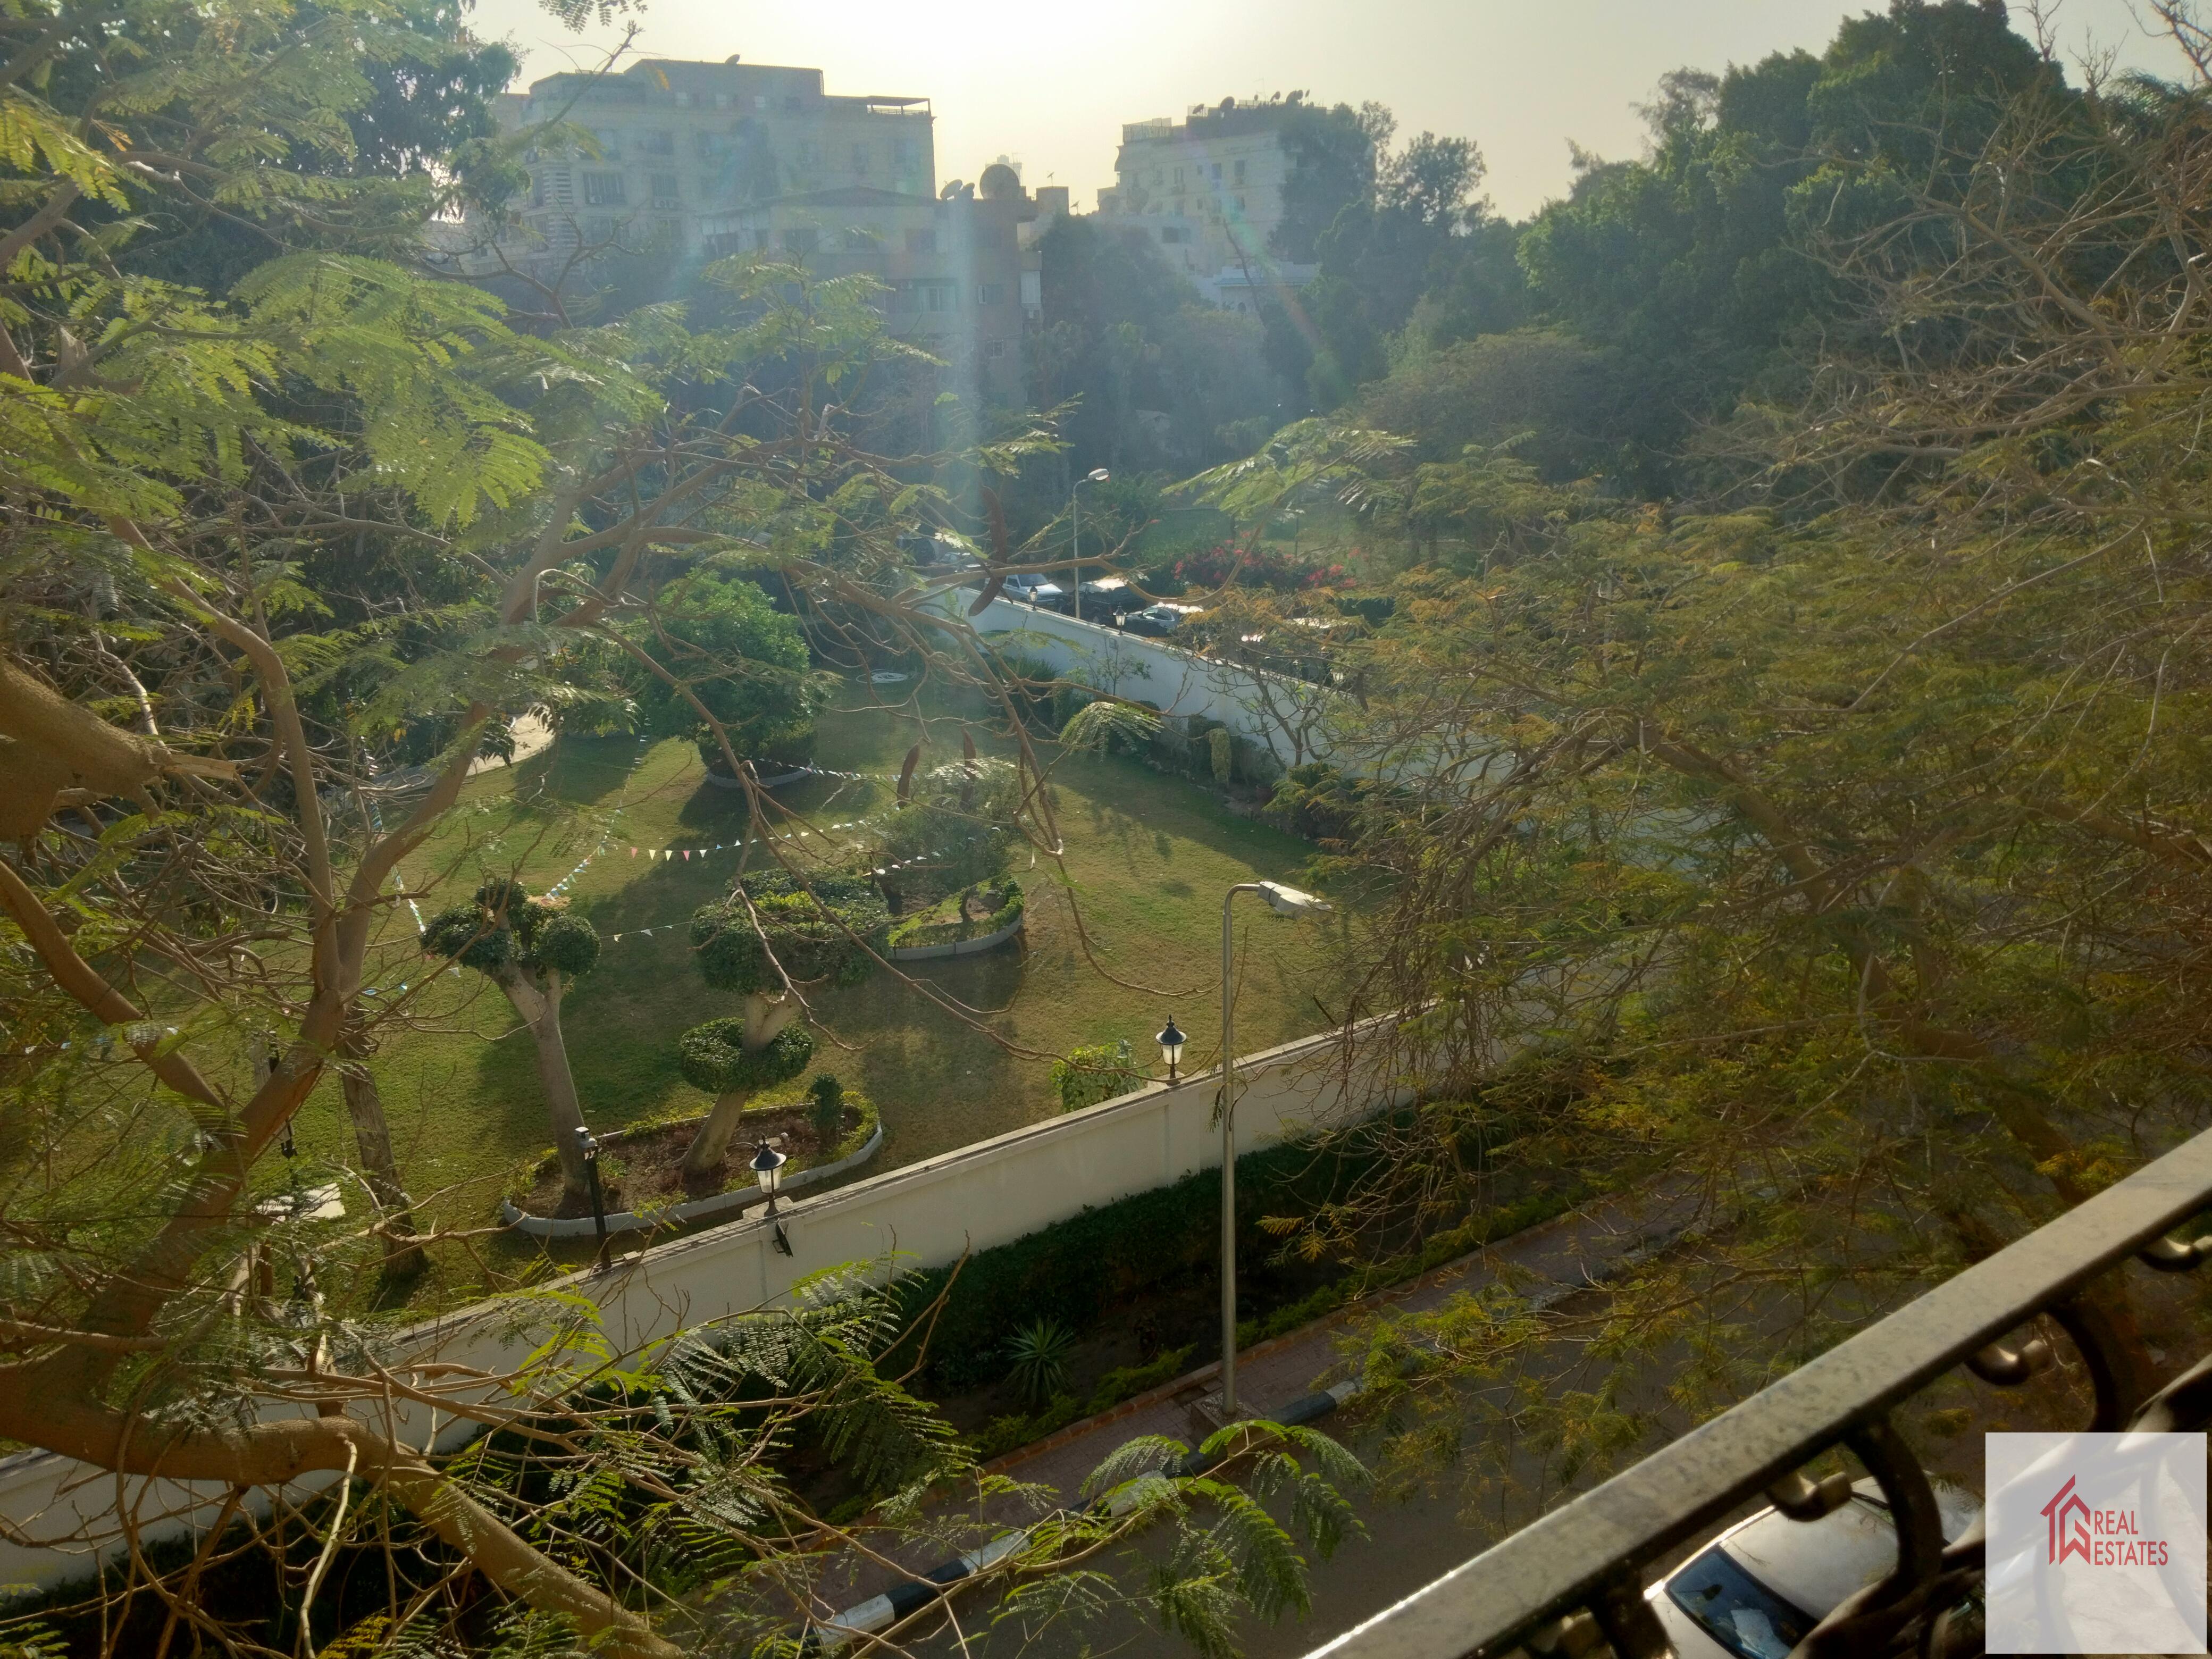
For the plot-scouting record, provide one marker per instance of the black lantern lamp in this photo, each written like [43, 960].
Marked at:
[768, 1170]
[1170, 1040]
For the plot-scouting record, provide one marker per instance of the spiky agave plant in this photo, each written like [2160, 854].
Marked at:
[1036, 1359]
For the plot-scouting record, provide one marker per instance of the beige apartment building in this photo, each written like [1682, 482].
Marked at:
[950, 266]
[678, 140]
[1207, 191]
[692, 161]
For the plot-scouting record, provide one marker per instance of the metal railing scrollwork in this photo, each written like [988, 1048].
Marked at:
[1575, 1579]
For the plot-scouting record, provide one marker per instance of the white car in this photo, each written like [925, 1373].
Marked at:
[1034, 589]
[1757, 1589]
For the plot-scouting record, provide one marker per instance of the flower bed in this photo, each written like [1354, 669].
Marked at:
[982, 910]
[639, 1166]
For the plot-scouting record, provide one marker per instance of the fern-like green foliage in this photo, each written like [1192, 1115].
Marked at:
[1111, 727]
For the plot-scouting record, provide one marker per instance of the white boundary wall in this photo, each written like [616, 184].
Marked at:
[926, 1215]
[1293, 717]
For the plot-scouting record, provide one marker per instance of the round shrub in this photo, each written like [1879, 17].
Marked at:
[715, 1060]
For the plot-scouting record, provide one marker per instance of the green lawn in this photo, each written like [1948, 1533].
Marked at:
[1148, 857]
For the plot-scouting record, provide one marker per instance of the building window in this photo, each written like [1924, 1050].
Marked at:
[993, 351]
[761, 240]
[858, 236]
[659, 143]
[1174, 233]
[599, 229]
[1240, 172]
[1217, 172]
[931, 294]
[801, 239]
[1178, 207]
[1240, 205]
[666, 193]
[921, 241]
[603, 190]
[859, 160]
[902, 152]
[1156, 176]
[1178, 177]
[668, 233]
[990, 294]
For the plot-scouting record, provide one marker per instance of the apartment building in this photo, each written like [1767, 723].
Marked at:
[679, 141]
[950, 266]
[1207, 193]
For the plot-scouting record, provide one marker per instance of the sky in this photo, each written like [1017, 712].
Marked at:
[1048, 84]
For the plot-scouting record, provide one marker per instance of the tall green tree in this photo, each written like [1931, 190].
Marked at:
[534, 953]
[721, 651]
[773, 937]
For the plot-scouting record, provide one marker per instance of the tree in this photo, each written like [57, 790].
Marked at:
[955, 830]
[1846, 867]
[533, 950]
[718, 640]
[775, 935]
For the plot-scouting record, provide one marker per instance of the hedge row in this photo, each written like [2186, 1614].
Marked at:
[1079, 1270]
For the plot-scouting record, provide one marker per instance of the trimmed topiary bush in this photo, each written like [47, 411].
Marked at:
[825, 929]
[533, 950]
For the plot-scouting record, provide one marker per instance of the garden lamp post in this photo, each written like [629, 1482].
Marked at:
[1284, 901]
[1075, 528]
[1171, 1040]
[768, 1170]
[590, 1147]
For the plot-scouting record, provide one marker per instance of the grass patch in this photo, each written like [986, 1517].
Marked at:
[1147, 858]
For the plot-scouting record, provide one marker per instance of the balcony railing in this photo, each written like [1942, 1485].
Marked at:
[1578, 1575]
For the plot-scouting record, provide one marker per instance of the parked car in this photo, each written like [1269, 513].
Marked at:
[1035, 590]
[1154, 620]
[1103, 598]
[1757, 1589]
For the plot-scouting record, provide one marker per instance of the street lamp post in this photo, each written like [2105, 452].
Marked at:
[1284, 901]
[1098, 475]
[1171, 1040]
[590, 1147]
[768, 1170]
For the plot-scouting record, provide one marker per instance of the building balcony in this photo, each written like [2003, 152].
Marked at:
[1576, 1580]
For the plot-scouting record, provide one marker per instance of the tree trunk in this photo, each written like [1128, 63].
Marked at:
[765, 1017]
[541, 1011]
[709, 1147]
[403, 1255]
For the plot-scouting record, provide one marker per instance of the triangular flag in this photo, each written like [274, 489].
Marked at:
[687, 855]
[633, 852]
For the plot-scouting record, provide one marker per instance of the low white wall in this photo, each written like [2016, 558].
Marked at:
[926, 1215]
[1293, 717]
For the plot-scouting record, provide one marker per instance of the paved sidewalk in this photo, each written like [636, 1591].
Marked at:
[1545, 1262]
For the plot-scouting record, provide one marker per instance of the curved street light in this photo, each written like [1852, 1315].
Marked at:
[1097, 475]
[1286, 901]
